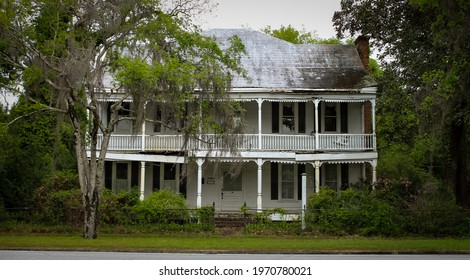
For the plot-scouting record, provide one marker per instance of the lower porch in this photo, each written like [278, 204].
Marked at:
[259, 185]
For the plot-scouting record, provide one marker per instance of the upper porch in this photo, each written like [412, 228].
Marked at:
[244, 142]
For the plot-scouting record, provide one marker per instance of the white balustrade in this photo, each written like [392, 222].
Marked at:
[346, 141]
[246, 142]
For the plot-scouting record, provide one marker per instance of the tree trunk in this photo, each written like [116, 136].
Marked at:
[90, 205]
[87, 174]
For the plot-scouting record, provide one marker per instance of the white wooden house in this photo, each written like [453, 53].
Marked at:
[308, 109]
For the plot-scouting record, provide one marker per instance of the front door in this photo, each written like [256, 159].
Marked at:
[232, 195]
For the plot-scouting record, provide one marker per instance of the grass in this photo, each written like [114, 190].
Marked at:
[237, 244]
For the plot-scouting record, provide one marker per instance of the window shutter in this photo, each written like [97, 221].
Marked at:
[274, 181]
[135, 173]
[344, 117]
[301, 107]
[156, 177]
[275, 117]
[344, 176]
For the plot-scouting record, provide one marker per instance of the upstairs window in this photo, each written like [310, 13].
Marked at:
[288, 117]
[125, 111]
[330, 117]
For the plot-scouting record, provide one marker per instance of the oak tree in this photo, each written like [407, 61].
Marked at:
[150, 48]
[427, 46]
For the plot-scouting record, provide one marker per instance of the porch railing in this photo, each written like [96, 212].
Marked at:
[246, 142]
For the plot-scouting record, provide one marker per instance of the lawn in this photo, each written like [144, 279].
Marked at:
[236, 244]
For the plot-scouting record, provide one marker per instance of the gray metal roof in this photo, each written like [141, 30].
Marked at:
[277, 64]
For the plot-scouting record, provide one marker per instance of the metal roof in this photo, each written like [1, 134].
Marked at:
[272, 63]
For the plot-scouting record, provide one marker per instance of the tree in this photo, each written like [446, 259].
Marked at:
[428, 42]
[151, 48]
[290, 34]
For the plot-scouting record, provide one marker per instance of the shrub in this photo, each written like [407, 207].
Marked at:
[163, 206]
[350, 212]
[115, 209]
[434, 212]
[59, 206]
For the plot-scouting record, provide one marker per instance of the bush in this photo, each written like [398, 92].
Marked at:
[435, 212]
[115, 209]
[58, 206]
[351, 212]
[163, 206]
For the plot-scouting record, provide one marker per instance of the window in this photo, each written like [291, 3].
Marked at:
[125, 111]
[331, 175]
[158, 120]
[232, 182]
[121, 177]
[288, 117]
[121, 171]
[170, 172]
[330, 117]
[287, 182]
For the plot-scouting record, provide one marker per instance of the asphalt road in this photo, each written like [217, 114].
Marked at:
[80, 255]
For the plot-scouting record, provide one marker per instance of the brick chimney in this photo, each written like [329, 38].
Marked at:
[362, 46]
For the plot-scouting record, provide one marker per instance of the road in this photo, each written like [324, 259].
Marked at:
[80, 255]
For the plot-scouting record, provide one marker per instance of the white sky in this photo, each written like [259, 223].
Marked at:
[313, 15]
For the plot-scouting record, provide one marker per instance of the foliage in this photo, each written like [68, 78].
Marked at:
[33, 148]
[352, 212]
[205, 217]
[163, 206]
[58, 53]
[434, 211]
[292, 35]
[426, 43]
[55, 207]
[115, 209]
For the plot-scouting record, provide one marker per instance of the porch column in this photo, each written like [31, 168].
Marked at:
[317, 127]
[260, 105]
[142, 180]
[259, 201]
[372, 102]
[200, 161]
[374, 173]
[317, 176]
[143, 129]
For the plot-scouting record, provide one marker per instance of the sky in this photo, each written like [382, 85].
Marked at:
[311, 15]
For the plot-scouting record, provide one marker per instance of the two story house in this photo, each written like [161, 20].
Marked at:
[309, 109]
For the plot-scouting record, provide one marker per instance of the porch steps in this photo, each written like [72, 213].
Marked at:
[230, 222]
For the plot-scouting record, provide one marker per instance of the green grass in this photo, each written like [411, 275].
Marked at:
[232, 244]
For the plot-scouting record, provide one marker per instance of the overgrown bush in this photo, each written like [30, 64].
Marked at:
[205, 215]
[58, 206]
[350, 212]
[4, 215]
[435, 212]
[163, 206]
[115, 209]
